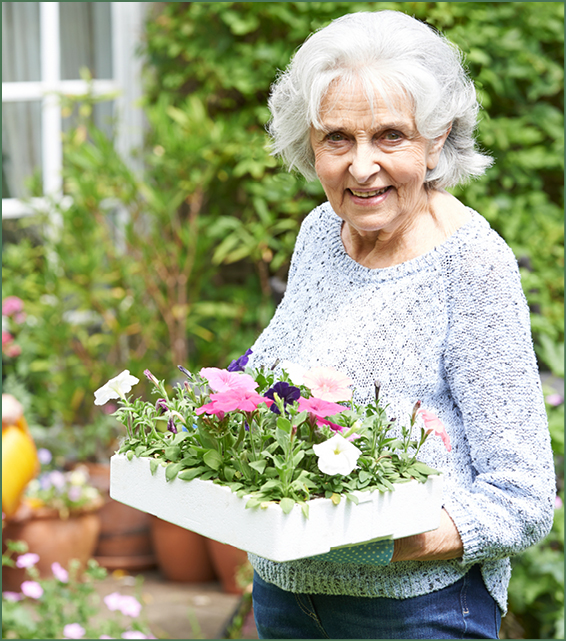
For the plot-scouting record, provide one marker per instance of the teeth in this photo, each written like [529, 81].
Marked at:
[369, 194]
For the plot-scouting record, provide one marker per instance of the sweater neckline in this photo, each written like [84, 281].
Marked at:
[410, 266]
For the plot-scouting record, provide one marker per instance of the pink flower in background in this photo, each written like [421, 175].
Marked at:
[558, 502]
[59, 572]
[27, 560]
[73, 631]
[321, 410]
[113, 601]
[434, 424]
[134, 634]
[238, 399]
[12, 596]
[555, 399]
[7, 338]
[221, 380]
[32, 589]
[130, 606]
[328, 384]
[12, 305]
[127, 605]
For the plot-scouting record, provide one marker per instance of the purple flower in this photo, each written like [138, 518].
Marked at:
[151, 377]
[239, 364]
[73, 631]
[27, 560]
[171, 425]
[286, 392]
[44, 456]
[161, 406]
[32, 589]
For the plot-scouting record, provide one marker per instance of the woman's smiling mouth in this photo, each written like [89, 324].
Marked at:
[369, 194]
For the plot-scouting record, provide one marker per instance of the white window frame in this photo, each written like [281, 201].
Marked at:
[127, 20]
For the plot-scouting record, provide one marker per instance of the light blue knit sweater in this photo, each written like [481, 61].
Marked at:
[451, 328]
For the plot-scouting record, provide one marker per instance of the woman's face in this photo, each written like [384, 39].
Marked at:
[372, 163]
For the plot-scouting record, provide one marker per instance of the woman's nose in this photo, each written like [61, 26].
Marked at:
[364, 164]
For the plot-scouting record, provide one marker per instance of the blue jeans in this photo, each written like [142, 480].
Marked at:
[463, 610]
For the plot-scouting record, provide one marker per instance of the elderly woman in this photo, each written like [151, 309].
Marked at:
[394, 279]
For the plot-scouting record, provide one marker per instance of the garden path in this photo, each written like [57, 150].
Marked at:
[180, 610]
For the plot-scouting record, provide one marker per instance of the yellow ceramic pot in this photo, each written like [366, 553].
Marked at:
[19, 464]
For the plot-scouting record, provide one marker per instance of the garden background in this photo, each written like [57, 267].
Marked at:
[185, 261]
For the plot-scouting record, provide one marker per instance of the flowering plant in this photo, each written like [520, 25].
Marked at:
[66, 605]
[66, 492]
[285, 438]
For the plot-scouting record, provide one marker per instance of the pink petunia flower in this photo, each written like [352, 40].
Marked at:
[7, 338]
[434, 424]
[59, 572]
[27, 560]
[73, 631]
[555, 399]
[221, 380]
[238, 399]
[321, 409]
[328, 384]
[12, 596]
[32, 589]
[12, 305]
[130, 606]
[113, 601]
[558, 502]
[133, 634]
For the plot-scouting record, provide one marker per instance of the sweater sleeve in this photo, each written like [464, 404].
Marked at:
[494, 381]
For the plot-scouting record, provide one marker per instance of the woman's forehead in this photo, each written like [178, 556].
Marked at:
[356, 101]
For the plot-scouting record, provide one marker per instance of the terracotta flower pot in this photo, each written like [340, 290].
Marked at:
[52, 538]
[182, 555]
[227, 560]
[125, 534]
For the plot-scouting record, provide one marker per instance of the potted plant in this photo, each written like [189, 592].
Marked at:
[315, 470]
[57, 519]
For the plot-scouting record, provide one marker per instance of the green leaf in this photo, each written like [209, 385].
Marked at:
[129, 455]
[353, 498]
[173, 453]
[189, 475]
[153, 465]
[259, 466]
[213, 459]
[284, 424]
[172, 470]
[287, 504]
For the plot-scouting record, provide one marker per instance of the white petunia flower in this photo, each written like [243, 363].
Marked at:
[296, 372]
[337, 456]
[116, 387]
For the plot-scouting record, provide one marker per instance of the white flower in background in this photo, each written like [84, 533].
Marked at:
[116, 387]
[296, 372]
[337, 456]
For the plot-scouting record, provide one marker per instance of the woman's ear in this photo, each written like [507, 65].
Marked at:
[435, 147]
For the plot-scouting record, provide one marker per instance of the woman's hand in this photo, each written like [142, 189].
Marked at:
[438, 545]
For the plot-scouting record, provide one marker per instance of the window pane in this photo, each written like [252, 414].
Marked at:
[20, 42]
[86, 39]
[21, 148]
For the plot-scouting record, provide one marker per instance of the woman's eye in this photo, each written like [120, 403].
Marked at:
[392, 136]
[335, 137]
